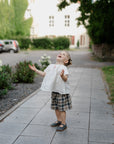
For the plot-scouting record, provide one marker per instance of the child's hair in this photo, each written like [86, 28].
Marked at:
[69, 59]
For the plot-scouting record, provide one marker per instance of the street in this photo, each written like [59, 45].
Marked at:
[80, 58]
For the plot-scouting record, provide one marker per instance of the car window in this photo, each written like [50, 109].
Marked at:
[6, 43]
[10, 42]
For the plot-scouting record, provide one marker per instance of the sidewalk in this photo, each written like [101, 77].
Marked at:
[91, 120]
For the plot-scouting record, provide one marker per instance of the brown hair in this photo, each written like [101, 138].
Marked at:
[69, 59]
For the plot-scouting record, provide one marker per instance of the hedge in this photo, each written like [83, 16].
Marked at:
[58, 43]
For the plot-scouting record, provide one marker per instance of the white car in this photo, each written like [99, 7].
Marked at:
[11, 46]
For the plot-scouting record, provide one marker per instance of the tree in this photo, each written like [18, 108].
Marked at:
[12, 22]
[97, 17]
[6, 19]
[22, 26]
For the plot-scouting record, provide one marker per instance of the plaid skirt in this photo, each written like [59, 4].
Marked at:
[61, 102]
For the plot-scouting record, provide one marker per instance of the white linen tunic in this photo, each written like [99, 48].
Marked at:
[53, 81]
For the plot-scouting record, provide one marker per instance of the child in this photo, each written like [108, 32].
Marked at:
[56, 81]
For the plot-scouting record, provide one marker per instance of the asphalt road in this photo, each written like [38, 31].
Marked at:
[80, 58]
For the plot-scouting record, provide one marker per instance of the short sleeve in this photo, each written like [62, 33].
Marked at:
[47, 69]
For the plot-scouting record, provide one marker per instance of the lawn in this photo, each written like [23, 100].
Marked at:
[109, 77]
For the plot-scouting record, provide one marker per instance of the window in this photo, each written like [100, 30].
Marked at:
[51, 21]
[6, 43]
[67, 20]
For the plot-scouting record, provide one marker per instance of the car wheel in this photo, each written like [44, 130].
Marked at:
[11, 51]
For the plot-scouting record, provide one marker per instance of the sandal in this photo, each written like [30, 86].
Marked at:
[56, 124]
[64, 126]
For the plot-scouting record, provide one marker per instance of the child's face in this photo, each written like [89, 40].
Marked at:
[62, 57]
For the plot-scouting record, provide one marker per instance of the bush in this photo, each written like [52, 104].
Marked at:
[61, 43]
[78, 43]
[37, 66]
[44, 43]
[24, 43]
[5, 79]
[7, 68]
[24, 73]
[45, 61]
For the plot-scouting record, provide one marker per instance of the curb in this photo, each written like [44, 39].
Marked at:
[107, 88]
[7, 113]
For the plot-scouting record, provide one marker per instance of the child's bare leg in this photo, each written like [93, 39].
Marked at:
[58, 115]
[63, 117]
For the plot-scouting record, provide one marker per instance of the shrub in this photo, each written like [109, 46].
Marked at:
[24, 43]
[5, 79]
[37, 66]
[44, 43]
[7, 68]
[23, 72]
[45, 61]
[78, 43]
[61, 43]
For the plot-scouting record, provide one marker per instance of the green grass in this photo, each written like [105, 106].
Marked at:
[109, 77]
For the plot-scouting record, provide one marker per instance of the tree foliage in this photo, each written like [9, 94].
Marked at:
[12, 22]
[97, 17]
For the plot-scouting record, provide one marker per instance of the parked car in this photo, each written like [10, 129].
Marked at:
[11, 46]
[1, 45]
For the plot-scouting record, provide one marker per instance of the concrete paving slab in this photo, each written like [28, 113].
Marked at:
[22, 115]
[34, 104]
[101, 121]
[103, 136]
[32, 140]
[99, 93]
[77, 120]
[11, 129]
[44, 117]
[100, 108]
[39, 131]
[82, 92]
[98, 143]
[7, 139]
[80, 100]
[80, 108]
[71, 136]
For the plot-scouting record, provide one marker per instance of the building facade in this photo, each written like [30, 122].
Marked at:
[48, 21]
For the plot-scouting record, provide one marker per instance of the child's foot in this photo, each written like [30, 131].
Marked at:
[61, 127]
[56, 124]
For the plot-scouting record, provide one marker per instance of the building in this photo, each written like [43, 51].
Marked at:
[48, 21]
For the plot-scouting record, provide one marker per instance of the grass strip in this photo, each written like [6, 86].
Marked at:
[109, 77]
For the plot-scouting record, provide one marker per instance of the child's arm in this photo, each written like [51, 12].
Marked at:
[32, 67]
[64, 77]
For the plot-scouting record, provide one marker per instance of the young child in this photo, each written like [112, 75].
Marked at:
[56, 80]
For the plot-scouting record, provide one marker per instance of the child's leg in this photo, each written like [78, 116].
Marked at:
[58, 115]
[63, 125]
[63, 117]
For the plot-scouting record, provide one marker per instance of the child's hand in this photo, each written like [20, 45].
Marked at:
[64, 77]
[32, 67]
[62, 73]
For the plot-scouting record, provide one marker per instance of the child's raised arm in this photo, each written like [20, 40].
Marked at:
[32, 67]
[64, 77]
